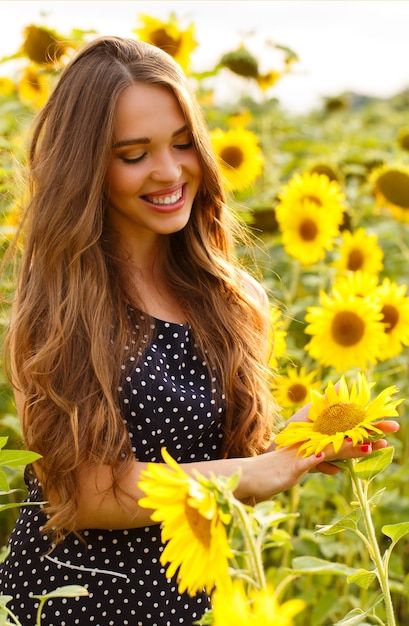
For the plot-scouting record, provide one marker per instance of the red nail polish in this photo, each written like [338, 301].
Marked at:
[349, 439]
[366, 447]
[319, 455]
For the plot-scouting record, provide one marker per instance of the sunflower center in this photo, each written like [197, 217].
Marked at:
[232, 156]
[347, 328]
[308, 230]
[199, 525]
[390, 317]
[338, 418]
[162, 40]
[394, 185]
[297, 393]
[355, 260]
[312, 199]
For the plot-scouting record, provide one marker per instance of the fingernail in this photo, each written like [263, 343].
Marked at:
[366, 447]
[349, 439]
[319, 455]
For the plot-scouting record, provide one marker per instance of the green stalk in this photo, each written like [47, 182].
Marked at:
[361, 493]
[39, 611]
[256, 562]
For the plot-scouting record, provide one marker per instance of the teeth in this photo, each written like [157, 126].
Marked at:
[167, 199]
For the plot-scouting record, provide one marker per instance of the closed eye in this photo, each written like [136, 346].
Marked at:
[134, 159]
[184, 146]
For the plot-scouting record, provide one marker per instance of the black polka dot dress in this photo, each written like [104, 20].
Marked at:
[168, 400]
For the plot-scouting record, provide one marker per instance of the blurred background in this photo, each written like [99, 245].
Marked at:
[342, 46]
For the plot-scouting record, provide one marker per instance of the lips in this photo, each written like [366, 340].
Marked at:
[165, 199]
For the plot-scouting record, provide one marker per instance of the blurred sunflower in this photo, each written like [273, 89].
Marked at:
[43, 46]
[277, 344]
[241, 62]
[259, 607]
[339, 413]
[356, 283]
[347, 331]
[394, 304]
[239, 155]
[267, 80]
[168, 37]
[33, 87]
[359, 251]
[315, 188]
[403, 138]
[391, 188]
[307, 231]
[330, 171]
[7, 86]
[292, 390]
[193, 527]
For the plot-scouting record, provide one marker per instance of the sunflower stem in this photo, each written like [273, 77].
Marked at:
[256, 562]
[361, 493]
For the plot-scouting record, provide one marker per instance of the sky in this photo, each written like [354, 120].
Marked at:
[348, 45]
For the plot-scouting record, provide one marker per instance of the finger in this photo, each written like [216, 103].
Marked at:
[388, 426]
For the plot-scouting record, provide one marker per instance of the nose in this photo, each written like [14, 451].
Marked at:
[166, 167]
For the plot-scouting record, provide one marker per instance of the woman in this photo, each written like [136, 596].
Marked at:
[133, 328]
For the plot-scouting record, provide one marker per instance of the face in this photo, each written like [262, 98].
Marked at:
[154, 172]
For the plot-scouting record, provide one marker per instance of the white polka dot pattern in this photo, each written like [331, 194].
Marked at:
[167, 399]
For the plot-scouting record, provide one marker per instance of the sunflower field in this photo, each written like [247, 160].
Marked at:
[325, 198]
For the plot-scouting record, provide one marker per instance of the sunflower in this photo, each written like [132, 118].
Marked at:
[239, 155]
[43, 46]
[340, 413]
[192, 526]
[359, 251]
[7, 86]
[356, 283]
[391, 188]
[33, 87]
[291, 391]
[347, 331]
[168, 37]
[307, 232]
[259, 608]
[394, 304]
[277, 336]
[318, 190]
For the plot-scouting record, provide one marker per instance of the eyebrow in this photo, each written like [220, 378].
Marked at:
[145, 140]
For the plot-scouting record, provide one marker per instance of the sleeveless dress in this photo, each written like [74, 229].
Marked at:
[167, 399]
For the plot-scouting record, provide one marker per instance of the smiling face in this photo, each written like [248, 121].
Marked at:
[154, 173]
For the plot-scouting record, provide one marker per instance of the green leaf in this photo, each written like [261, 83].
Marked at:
[4, 483]
[369, 467]
[363, 578]
[313, 565]
[396, 531]
[266, 514]
[12, 505]
[348, 522]
[5, 599]
[3, 441]
[3, 557]
[68, 591]
[17, 458]
[354, 617]
[376, 498]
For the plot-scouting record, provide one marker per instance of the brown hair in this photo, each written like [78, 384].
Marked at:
[72, 292]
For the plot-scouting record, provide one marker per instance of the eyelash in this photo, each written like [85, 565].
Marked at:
[182, 146]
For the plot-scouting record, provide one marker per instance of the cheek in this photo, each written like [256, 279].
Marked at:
[121, 180]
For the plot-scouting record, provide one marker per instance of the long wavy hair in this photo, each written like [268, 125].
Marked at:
[70, 323]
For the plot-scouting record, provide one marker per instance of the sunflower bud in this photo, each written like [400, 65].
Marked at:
[42, 46]
[240, 62]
